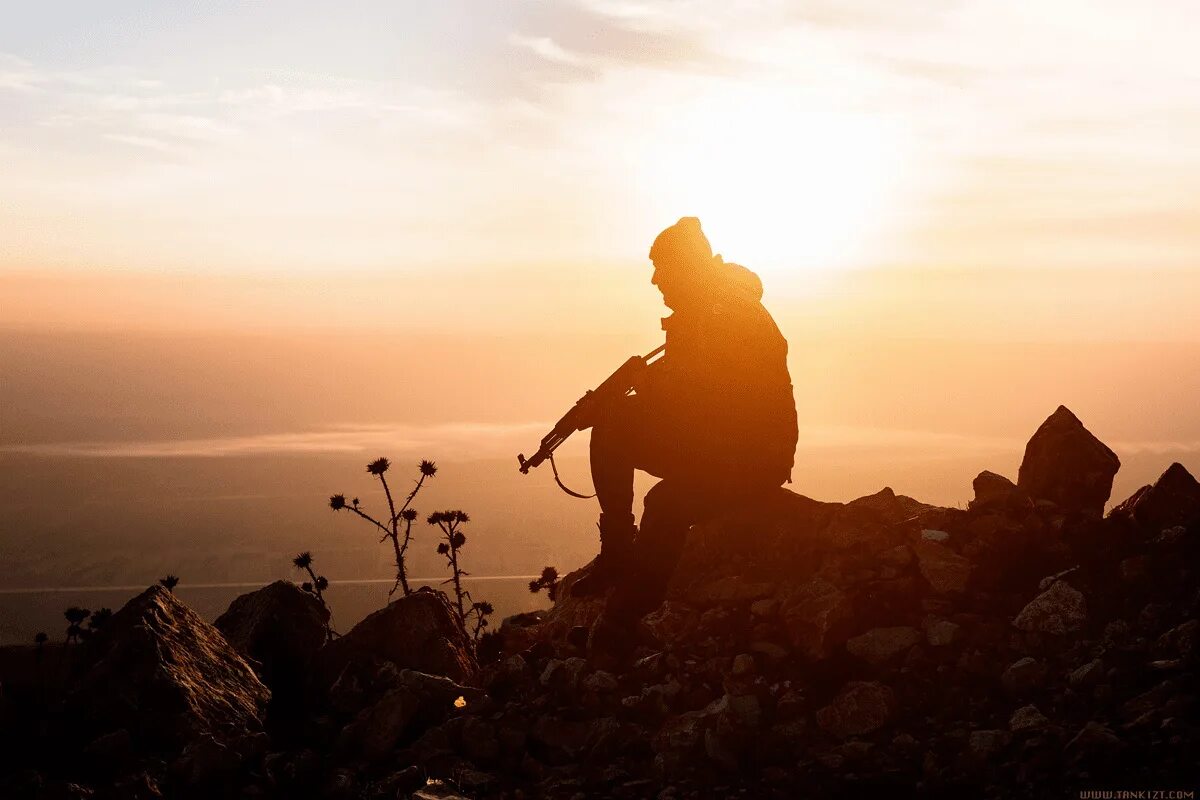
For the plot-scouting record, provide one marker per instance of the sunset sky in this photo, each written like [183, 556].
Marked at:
[489, 176]
[240, 137]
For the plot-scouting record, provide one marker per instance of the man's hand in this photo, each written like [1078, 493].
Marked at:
[644, 377]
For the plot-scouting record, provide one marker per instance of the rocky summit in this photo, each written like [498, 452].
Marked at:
[1026, 645]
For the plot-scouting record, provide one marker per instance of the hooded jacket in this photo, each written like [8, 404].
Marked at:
[722, 392]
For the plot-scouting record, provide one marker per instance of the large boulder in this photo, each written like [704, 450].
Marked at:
[1065, 464]
[418, 632]
[1174, 499]
[785, 539]
[279, 629]
[861, 707]
[880, 645]
[1059, 610]
[995, 491]
[160, 671]
[941, 567]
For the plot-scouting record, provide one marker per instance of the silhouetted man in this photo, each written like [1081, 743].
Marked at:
[715, 418]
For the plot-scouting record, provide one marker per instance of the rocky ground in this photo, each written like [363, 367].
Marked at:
[1024, 646]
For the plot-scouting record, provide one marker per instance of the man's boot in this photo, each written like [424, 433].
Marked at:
[616, 545]
[616, 634]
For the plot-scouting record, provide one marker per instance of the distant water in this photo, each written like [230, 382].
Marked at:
[24, 612]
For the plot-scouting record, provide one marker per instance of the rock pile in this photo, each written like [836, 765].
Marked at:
[1025, 645]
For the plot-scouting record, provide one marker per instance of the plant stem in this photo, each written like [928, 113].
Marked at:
[458, 591]
[401, 576]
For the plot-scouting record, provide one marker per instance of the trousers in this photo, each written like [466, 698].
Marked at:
[631, 436]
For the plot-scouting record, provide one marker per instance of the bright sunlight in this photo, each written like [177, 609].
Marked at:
[785, 190]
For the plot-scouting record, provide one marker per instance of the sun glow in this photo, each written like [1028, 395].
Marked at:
[785, 190]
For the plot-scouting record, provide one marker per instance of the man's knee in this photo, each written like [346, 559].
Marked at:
[616, 427]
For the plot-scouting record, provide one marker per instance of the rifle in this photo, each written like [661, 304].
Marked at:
[619, 384]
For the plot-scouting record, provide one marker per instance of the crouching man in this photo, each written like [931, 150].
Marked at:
[715, 419]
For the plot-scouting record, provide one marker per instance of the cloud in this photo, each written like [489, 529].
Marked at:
[145, 142]
[545, 47]
[18, 75]
[475, 439]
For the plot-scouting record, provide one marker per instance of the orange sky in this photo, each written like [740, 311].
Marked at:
[908, 179]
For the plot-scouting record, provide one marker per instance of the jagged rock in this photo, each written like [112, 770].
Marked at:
[1027, 718]
[1148, 701]
[574, 670]
[571, 611]
[715, 730]
[1093, 740]
[1064, 463]
[988, 743]
[1061, 609]
[1181, 640]
[170, 678]
[398, 784]
[205, 761]
[946, 571]
[437, 791]
[880, 645]
[66, 790]
[769, 649]
[672, 622]
[519, 631]
[891, 507]
[941, 632]
[1174, 499]
[142, 786]
[1048, 581]
[1088, 675]
[112, 748]
[861, 707]
[1133, 569]
[377, 729]
[552, 672]
[417, 632]
[731, 589]
[279, 629]
[600, 681]
[994, 491]
[558, 740]
[342, 784]
[814, 617]
[743, 665]
[1023, 676]
[764, 608]
[514, 669]
[721, 748]
[416, 702]
[681, 736]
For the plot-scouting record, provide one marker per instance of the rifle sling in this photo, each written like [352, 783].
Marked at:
[562, 485]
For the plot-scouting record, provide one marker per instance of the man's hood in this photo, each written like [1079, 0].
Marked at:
[737, 282]
[732, 285]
